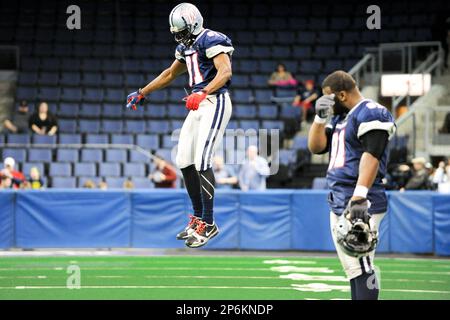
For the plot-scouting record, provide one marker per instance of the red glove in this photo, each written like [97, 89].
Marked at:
[193, 100]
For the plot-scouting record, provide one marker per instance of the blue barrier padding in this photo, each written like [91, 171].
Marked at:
[411, 221]
[6, 219]
[227, 216]
[72, 219]
[311, 221]
[417, 222]
[157, 217]
[265, 221]
[442, 225]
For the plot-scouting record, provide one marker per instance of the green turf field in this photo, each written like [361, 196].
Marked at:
[213, 277]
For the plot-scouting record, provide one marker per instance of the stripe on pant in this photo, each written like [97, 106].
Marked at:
[213, 125]
[211, 147]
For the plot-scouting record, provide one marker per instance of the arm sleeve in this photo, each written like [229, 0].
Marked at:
[375, 142]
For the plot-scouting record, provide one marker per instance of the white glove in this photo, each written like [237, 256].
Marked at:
[323, 107]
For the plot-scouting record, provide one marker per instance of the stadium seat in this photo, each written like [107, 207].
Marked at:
[67, 138]
[134, 170]
[68, 110]
[40, 139]
[112, 111]
[268, 112]
[57, 169]
[94, 95]
[71, 94]
[39, 155]
[97, 138]
[270, 124]
[109, 169]
[122, 139]
[19, 138]
[156, 126]
[67, 126]
[136, 156]
[114, 95]
[26, 167]
[287, 157]
[82, 180]
[64, 182]
[91, 155]
[155, 111]
[68, 79]
[90, 110]
[147, 141]
[142, 183]
[67, 155]
[300, 143]
[92, 79]
[112, 126]
[85, 169]
[89, 126]
[115, 182]
[177, 111]
[116, 155]
[244, 111]
[48, 79]
[135, 126]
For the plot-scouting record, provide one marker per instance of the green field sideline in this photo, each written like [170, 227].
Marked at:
[213, 277]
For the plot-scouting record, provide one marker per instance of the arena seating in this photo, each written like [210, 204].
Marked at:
[86, 74]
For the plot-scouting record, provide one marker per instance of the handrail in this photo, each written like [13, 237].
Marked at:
[361, 65]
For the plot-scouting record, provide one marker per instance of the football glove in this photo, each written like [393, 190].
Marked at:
[324, 105]
[193, 100]
[134, 99]
[358, 210]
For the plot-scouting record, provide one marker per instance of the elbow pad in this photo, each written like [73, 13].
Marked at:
[375, 142]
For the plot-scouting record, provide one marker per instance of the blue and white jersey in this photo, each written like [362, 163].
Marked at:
[199, 58]
[346, 150]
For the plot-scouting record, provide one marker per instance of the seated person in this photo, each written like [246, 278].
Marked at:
[306, 96]
[420, 177]
[225, 176]
[281, 77]
[43, 122]
[35, 179]
[164, 175]
[254, 171]
[18, 123]
[9, 177]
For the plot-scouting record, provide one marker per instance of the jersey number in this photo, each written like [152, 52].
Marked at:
[337, 158]
[195, 75]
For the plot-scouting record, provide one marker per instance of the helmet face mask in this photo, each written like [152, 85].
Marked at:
[186, 22]
[357, 238]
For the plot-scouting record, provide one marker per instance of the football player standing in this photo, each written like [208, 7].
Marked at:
[356, 137]
[206, 56]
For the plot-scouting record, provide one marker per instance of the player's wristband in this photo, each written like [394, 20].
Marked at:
[360, 191]
[319, 120]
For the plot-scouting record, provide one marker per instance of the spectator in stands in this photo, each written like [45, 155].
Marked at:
[305, 98]
[420, 177]
[441, 177]
[43, 122]
[225, 176]
[282, 77]
[19, 120]
[89, 184]
[128, 184]
[164, 175]
[35, 179]
[13, 178]
[254, 171]
[102, 185]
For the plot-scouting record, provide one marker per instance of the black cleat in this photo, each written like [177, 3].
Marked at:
[190, 229]
[202, 235]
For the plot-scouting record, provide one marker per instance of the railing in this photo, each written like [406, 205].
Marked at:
[436, 143]
[364, 66]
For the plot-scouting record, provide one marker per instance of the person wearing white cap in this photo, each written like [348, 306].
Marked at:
[420, 177]
[9, 176]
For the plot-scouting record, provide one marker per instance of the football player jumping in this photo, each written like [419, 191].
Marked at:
[356, 137]
[206, 56]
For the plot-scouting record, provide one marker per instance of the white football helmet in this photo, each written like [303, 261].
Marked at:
[185, 22]
[356, 238]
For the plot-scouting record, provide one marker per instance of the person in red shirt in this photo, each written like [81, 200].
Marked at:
[164, 175]
[8, 173]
